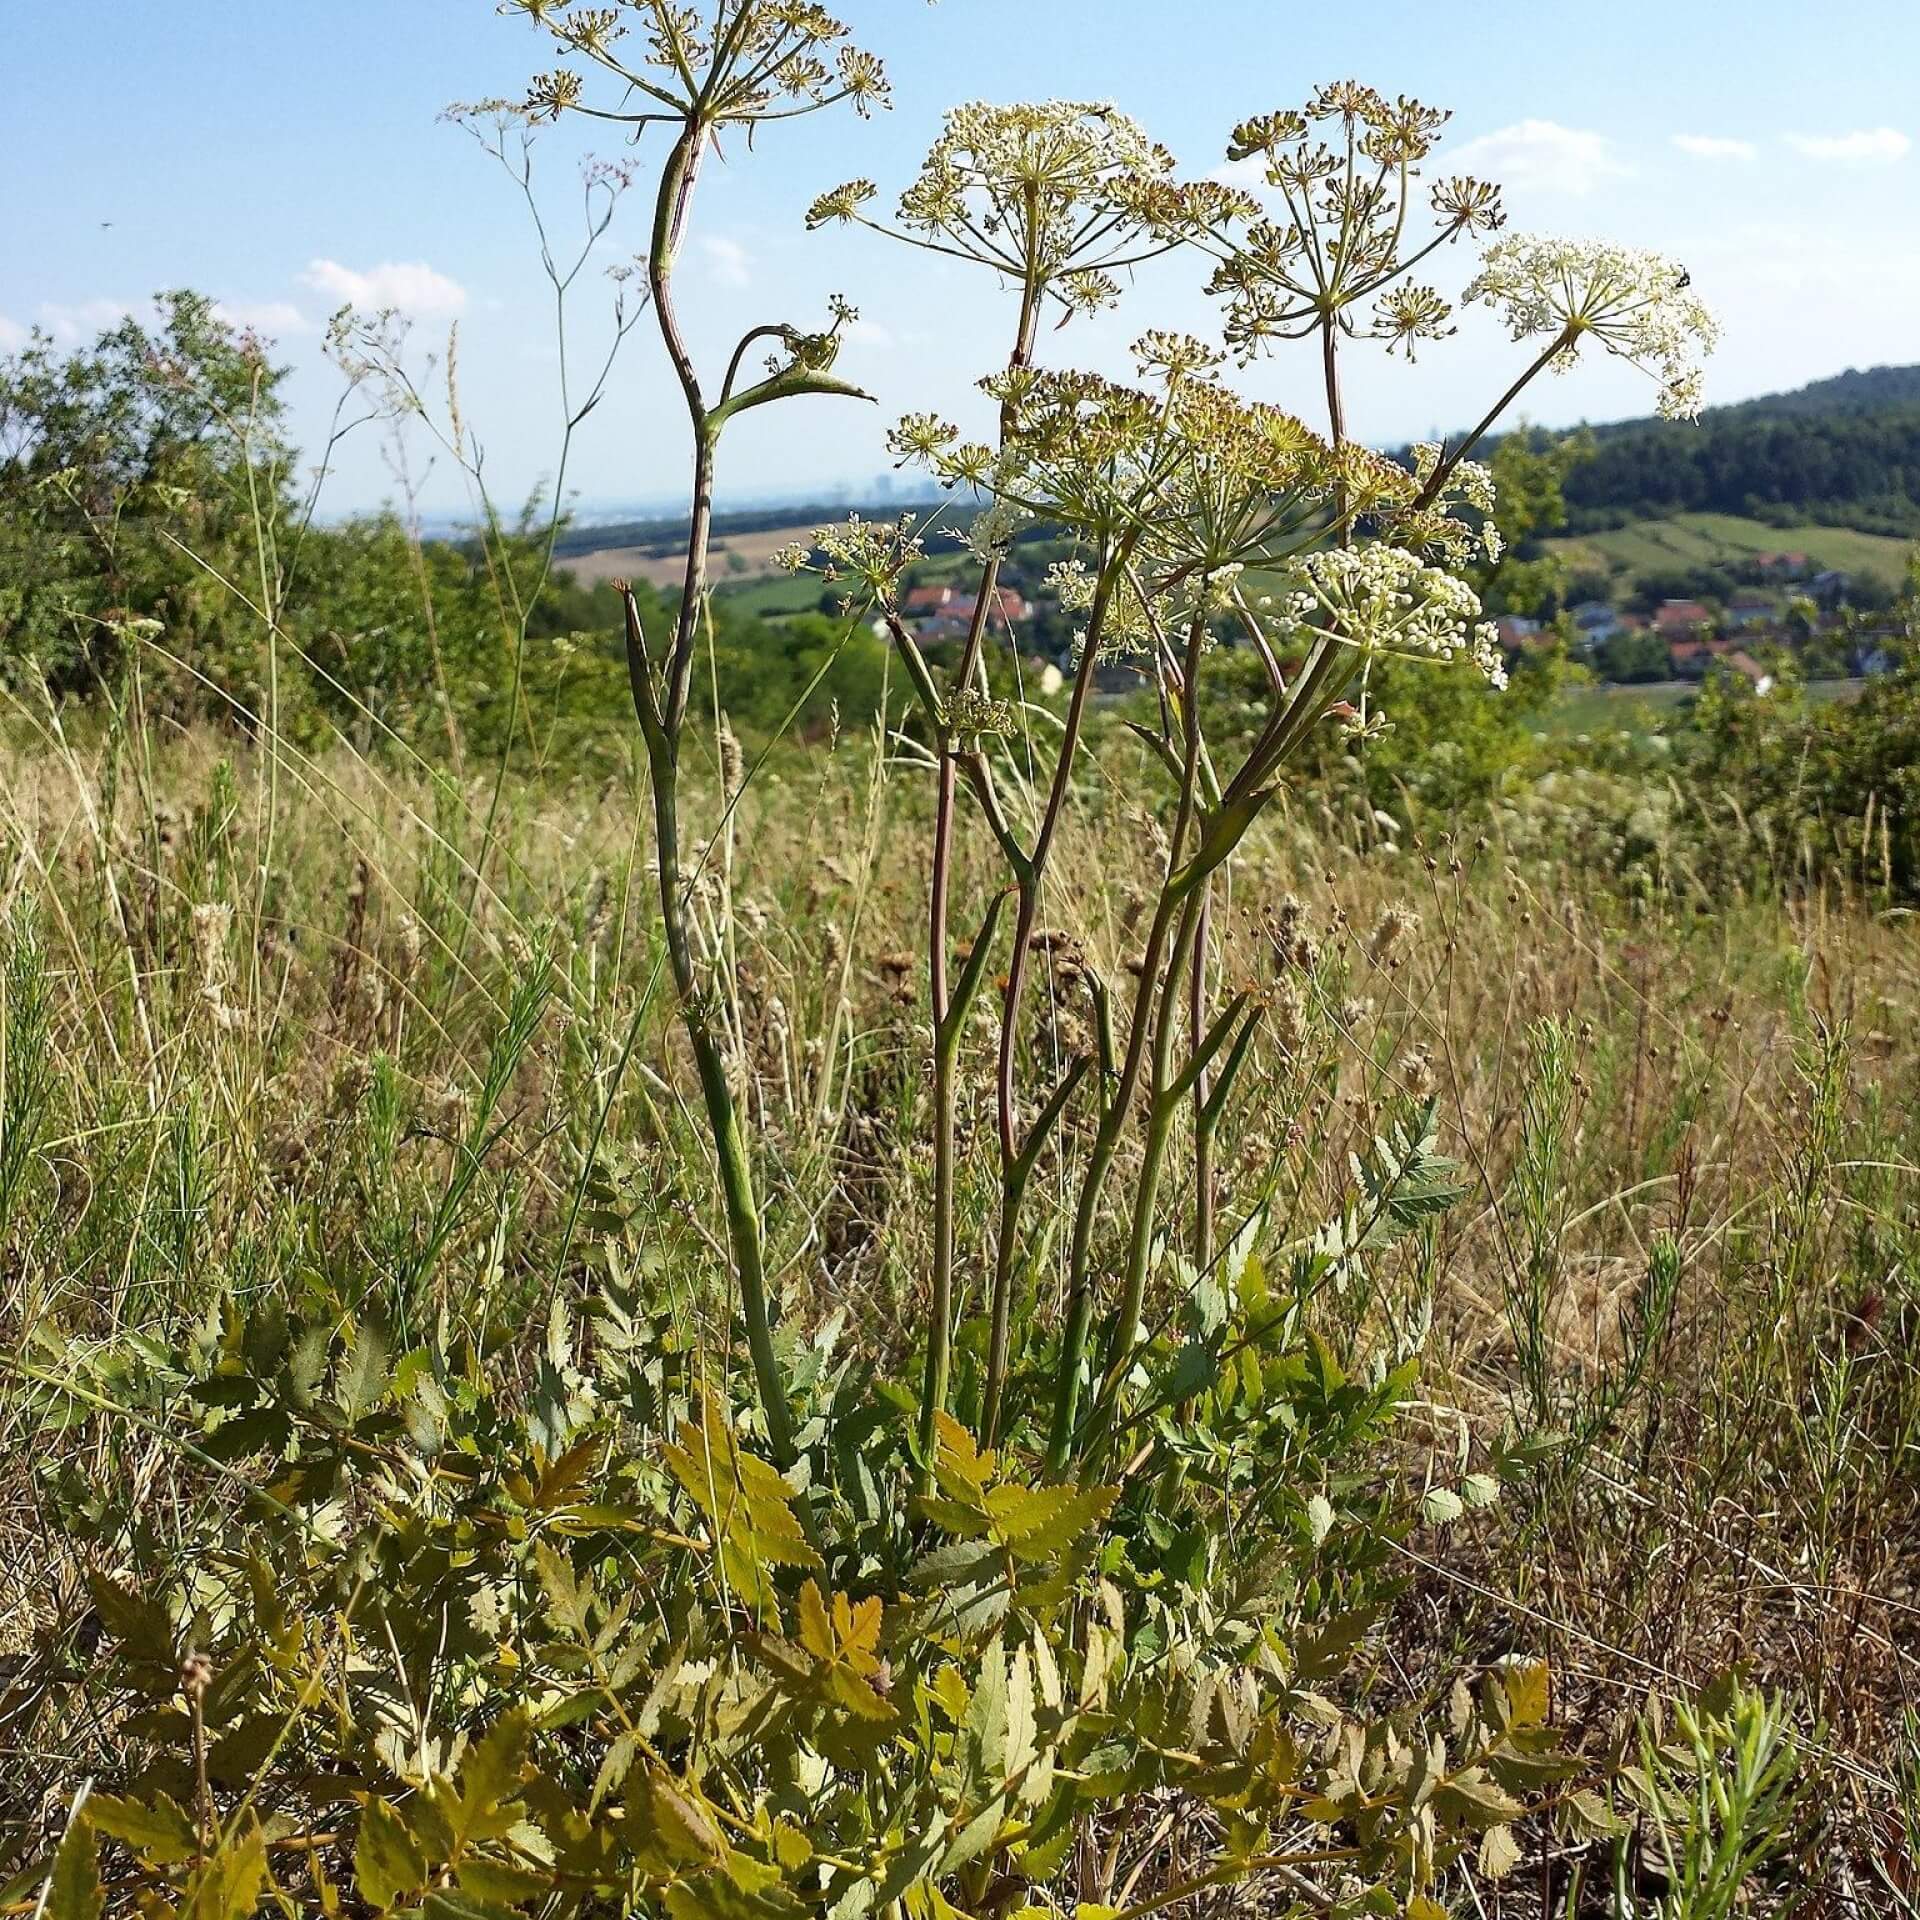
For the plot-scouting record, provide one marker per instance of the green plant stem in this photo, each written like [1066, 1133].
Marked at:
[1175, 898]
[946, 1056]
[662, 714]
[1204, 1120]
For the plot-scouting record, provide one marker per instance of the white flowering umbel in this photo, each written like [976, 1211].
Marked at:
[866, 556]
[1385, 600]
[1636, 304]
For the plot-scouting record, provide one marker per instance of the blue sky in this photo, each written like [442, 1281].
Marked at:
[284, 154]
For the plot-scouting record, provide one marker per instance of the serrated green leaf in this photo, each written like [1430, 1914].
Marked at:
[159, 1833]
[490, 1779]
[228, 1886]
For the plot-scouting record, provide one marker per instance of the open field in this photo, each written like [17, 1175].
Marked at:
[403, 1066]
[738, 555]
[1719, 539]
[1644, 707]
[739, 1249]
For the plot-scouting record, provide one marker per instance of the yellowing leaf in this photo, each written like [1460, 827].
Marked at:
[960, 1468]
[816, 1630]
[228, 1886]
[791, 1847]
[950, 1693]
[749, 1505]
[1038, 1523]
[387, 1861]
[1529, 1686]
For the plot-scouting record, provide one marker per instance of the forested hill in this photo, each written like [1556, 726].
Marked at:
[1844, 451]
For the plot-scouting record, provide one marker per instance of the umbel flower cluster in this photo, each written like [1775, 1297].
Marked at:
[1178, 488]
[1345, 170]
[761, 60]
[1382, 599]
[1061, 197]
[1635, 304]
[1199, 486]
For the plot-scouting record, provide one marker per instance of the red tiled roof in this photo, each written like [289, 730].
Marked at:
[1681, 613]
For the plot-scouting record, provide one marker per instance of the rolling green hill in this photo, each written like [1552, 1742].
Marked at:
[1842, 452]
[1727, 540]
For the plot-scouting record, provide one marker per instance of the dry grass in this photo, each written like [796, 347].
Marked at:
[236, 1096]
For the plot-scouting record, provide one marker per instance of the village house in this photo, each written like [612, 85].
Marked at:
[1746, 610]
[1596, 622]
[946, 613]
[1690, 658]
[1682, 619]
[1518, 634]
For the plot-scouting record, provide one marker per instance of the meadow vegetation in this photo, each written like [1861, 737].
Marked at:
[656, 1261]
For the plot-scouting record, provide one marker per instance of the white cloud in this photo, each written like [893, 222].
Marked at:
[13, 336]
[1542, 154]
[727, 260]
[411, 286]
[1249, 175]
[269, 318]
[83, 322]
[868, 333]
[1713, 146]
[1870, 144]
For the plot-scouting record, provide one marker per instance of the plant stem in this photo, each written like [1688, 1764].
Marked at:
[1444, 471]
[662, 712]
[946, 1056]
[1198, 1023]
[1079, 1316]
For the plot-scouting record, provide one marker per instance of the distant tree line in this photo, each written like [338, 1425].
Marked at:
[1845, 452]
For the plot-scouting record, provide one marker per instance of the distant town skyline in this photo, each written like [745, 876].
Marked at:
[288, 161]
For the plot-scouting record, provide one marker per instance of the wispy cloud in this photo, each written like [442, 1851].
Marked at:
[270, 318]
[1714, 146]
[1249, 175]
[83, 321]
[727, 260]
[13, 336]
[411, 286]
[1542, 154]
[1870, 146]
